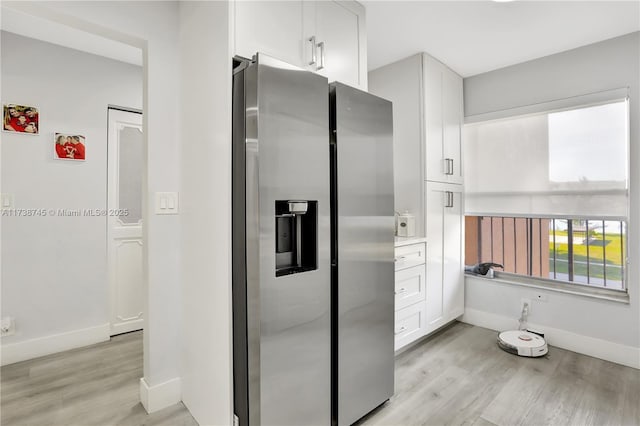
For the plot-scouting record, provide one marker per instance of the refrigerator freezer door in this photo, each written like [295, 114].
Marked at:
[288, 321]
[362, 178]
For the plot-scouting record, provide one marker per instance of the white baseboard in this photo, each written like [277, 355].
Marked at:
[160, 396]
[34, 348]
[597, 348]
[127, 327]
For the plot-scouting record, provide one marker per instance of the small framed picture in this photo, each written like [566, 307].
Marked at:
[22, 119]
[69, 147]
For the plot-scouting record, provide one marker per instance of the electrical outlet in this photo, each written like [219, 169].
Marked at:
[523, 301]
[541, 297]
[7, 327]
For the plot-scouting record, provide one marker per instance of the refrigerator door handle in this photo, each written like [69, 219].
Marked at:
[314, 57]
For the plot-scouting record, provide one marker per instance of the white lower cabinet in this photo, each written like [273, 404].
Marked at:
[410, 293]
[410, 286]
[409, 256]
[445, 277]
[410, 324]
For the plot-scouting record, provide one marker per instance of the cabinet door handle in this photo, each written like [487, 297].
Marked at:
[312, 40]
[449, 199]
[321, 47]
[448, 166]
[400, 258]
[400, 330]
[402, 290]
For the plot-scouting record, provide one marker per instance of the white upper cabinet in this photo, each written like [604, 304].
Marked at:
[443, 121]
[452, 121]
[327, 37]
[340, 40]
[435, 166]
[271, 27]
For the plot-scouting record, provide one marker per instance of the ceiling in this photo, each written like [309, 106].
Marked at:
[473, 37]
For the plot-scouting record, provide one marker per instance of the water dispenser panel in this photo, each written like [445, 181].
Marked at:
[296, 236]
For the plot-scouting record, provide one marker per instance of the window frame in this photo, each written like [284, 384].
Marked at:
[567, 104]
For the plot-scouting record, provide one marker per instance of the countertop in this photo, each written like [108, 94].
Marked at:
[405, 241]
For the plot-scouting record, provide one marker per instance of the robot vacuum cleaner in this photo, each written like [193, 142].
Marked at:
[522, 343]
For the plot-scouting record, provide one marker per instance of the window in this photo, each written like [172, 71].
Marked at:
[547, 194]
[589, 252]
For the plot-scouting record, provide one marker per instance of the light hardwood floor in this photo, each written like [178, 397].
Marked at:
[95, 385]
[458, 376]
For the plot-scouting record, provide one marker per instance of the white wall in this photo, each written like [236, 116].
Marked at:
[206, 211]
[602, 66]
[197, 61]
[153, 26]
[54, 275]
[401, 83]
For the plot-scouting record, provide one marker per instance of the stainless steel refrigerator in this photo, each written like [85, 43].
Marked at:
[313, 226]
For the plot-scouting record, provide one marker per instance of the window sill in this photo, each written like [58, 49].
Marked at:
[560, 287]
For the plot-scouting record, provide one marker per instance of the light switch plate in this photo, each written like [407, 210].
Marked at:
[166, 203]
[6, 201]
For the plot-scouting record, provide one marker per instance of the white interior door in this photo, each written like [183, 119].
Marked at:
[125, 171]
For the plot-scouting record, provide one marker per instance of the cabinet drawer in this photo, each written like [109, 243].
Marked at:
[409, 324]
[409, 256]
[410, 286]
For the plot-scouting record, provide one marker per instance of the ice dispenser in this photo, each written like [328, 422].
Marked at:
[296, 236]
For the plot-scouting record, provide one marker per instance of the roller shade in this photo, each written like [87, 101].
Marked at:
[570, 163]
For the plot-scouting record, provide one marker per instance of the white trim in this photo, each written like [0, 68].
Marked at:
[510, 279]
[580, 101]
[34, 348]
[598, 348]
[162, 395]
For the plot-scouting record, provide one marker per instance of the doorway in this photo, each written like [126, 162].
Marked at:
[125, 146]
